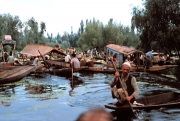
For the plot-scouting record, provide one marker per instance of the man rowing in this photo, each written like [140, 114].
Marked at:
[128, 82]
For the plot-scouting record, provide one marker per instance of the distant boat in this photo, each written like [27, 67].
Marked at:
[123, 51]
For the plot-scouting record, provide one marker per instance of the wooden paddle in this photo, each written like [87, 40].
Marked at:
[44, 61]
[72, 72]
[125, 92]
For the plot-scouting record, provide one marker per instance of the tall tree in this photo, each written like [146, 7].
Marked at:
[158, 24]
[82, 26]
[10, 25]
[92, 37]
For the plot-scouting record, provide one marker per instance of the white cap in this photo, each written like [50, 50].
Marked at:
[127, 63]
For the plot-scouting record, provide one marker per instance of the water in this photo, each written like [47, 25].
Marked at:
[46, 97]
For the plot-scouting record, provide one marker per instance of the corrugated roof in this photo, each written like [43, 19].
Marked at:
[32, 49]
[123, 49]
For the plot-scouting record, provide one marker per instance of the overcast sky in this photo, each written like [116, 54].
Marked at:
[60, 15]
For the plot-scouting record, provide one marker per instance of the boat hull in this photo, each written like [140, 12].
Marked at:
[15, 73]
[165, 100]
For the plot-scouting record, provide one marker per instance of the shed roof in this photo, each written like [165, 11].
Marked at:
[32, 49]
[123, 49]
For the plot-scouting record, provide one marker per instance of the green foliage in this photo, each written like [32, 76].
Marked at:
[92, 36]
[158, 24]
[98, 35]
[113, 32]
[65, 45]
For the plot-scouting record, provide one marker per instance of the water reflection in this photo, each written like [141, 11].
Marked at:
[74, 82]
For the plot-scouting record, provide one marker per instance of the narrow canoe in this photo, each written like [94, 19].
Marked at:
[15, 73]
[167, 100]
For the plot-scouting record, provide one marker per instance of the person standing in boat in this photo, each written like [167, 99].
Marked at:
[148, 62]
[129, 83]
[74, 61]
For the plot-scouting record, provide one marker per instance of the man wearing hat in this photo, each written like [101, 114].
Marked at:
[129, 83]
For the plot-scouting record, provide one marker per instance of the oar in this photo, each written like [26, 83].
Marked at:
[122, 86]
[72, 71]
[44, 61]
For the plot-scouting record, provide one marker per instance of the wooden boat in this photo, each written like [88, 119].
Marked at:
[122, 52]
[15, 73]
[66, 71]
[153, 68]
[58, 63]
[141, 68]
[167, 100]
[100, 69]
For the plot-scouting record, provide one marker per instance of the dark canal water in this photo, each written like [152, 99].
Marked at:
[46, 97]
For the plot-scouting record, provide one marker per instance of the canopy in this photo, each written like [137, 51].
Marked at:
[32, 49]
[123, 49]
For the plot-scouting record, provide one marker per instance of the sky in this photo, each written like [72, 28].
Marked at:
[60, 15]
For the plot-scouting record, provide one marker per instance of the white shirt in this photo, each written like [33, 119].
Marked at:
[11, 59]
[67, 58]
[35, 62]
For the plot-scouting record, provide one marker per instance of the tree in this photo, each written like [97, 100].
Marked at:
[58, 38]
[92, 37]
[10, 26]
[158, 25]
[112, 32]
[82, 26]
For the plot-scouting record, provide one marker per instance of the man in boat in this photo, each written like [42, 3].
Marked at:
[36, 61]
[129, 84]
[148, 62]
[150, 53]
[10, 58]
[74, 61]
[67, 58]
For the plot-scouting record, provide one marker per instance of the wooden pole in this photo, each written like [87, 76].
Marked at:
[72, 75]
[44, 60]
[125, 92]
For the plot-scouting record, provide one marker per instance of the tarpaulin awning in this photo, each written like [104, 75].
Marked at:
[123, 49]
[32, 49]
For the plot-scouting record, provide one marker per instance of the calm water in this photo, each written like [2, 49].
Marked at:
[46, 97]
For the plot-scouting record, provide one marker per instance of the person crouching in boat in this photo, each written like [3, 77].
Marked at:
[129, 84]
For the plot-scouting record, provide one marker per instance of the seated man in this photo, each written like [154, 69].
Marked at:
[75, 62]
[67, 58]
[10, 58]
[37, 61]
[129, 84]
